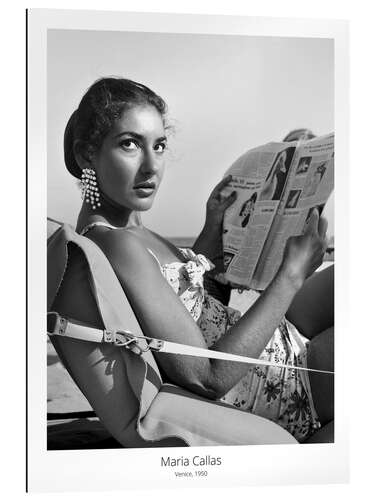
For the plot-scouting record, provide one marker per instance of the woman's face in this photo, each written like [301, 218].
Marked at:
[130, 163]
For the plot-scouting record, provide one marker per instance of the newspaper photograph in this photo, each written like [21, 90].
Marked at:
[277, 187]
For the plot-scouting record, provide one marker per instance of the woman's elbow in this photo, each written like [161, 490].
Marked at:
[208, 387]
[199, 379]
[204, 390]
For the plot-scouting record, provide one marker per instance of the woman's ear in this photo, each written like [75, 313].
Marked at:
[83, 154]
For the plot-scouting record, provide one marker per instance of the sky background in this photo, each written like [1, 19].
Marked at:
[225, 94]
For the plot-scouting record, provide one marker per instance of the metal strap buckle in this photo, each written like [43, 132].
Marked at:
[121, 338]
[151, 344]
[56, 325]
[156, 345]
[126, 339]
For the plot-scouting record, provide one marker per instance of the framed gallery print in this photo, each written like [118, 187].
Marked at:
[185, 323]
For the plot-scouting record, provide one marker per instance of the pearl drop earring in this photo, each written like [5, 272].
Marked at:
[90, 190]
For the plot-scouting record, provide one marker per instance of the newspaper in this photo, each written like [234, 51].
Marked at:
[277, 185]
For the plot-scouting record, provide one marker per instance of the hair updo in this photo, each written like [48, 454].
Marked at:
[104, 103]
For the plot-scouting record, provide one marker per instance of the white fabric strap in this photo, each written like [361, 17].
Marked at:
[57, 325]
[87, 228]
[174, 348]
[64, 328]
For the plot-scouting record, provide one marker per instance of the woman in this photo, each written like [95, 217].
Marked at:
[275, 180]
[115, 143]
[247, 210]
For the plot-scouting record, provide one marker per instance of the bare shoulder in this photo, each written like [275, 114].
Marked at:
[118, 241]
[126, 251]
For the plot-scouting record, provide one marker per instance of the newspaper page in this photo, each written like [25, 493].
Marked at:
[310, 184]
[259, 178]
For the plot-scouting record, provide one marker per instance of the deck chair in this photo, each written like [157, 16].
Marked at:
[154, 413]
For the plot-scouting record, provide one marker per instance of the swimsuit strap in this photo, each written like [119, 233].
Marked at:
[157, 260]
[87, 228]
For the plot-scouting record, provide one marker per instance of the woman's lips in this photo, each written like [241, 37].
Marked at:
[145, 189]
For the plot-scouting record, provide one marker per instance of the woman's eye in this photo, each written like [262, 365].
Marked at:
[160, 148]
[129, 144]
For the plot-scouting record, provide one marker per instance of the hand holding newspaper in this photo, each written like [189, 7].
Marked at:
[278, 185]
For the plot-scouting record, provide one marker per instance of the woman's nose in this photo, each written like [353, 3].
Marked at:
[149, 162]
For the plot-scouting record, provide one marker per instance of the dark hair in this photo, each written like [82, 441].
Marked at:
[299, 133]
[104, 103]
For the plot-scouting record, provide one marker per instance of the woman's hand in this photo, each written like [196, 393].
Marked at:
[217, 204]
[304, 254]
[210, 242]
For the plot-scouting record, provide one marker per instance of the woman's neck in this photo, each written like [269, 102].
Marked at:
[118, 218]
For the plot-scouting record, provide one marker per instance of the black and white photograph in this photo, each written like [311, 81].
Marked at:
[147, 347]
[276, 178]
[293, 198]
[246, 212]
[316, 177]
[303, 165]
[120, 143]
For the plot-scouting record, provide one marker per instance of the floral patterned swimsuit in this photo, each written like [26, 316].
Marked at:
[278, 394]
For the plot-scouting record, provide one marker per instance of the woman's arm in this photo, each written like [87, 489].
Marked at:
[162, 315]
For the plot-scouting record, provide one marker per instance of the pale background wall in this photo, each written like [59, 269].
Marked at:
[225, 94]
